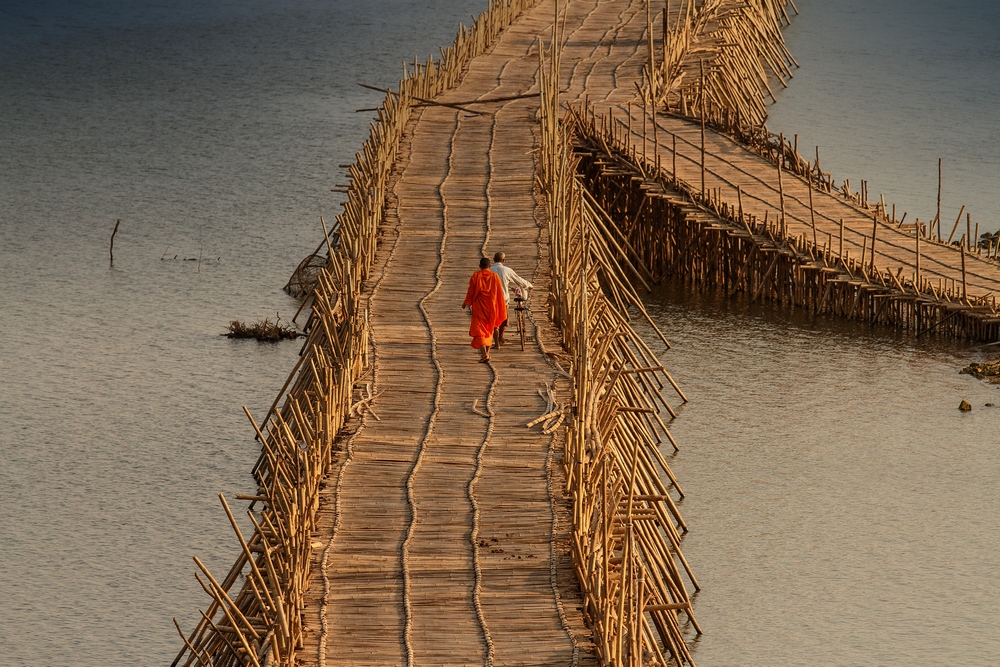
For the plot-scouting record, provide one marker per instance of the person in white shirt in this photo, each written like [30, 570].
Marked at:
[508, 277]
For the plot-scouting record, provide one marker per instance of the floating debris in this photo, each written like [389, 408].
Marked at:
[265, 330]
[965, 406]
[987, 370]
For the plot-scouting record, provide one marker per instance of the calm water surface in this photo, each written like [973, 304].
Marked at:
[886, 87]
[843, 512]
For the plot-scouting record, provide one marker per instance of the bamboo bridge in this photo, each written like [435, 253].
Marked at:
[415, 507]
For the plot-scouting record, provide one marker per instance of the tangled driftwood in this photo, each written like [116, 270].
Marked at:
[264, 330]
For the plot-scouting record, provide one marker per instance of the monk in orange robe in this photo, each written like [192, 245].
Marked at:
[485, 295]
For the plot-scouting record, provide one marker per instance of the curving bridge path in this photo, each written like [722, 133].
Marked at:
[444, 528]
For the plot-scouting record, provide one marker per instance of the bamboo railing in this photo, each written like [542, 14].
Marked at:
[672, 228]
[259, 622]
[627, 527]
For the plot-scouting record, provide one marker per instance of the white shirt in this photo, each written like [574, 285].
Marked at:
[508, 276]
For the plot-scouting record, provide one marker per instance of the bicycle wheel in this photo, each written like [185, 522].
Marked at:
[520, 325]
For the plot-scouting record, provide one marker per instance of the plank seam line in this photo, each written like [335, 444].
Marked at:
[579, 27]
[553, 568]
[405, 547]
[324, 621]
[491, 421]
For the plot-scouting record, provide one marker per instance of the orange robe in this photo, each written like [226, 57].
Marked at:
[485, 295]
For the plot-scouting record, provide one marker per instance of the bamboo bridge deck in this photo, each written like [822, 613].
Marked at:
[474, 580]
[444, 533]
[483, 576]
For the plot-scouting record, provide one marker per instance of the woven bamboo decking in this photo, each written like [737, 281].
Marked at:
[450, 543]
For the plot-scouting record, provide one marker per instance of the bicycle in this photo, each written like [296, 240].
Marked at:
[520, 308]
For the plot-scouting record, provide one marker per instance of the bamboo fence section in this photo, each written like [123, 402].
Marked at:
[259, 623]
[627, 528]
[717, 60]
[720, 56]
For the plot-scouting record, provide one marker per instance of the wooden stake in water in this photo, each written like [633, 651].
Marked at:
[916, 279]
[841, 239]
[111, 249]
[781, 189]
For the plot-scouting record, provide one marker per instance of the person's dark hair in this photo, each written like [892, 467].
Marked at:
[484, 263]
[499, 257]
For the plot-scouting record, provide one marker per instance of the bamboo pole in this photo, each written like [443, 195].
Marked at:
[701, 65]
[965, 293]
[955, 227]
[937, 218]
[673, 155]
[111, 247]
[781, 189]
[652, 82]
[874, 230]
[812, 213]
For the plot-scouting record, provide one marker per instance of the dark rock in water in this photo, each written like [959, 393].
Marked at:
[964, 406]
[987, 370]
[989, 405]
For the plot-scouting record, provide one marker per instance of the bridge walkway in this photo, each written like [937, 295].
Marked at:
[444, 530]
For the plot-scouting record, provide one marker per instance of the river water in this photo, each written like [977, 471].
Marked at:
[842, 509]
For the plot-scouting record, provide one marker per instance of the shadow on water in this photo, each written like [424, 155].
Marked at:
[835, 493]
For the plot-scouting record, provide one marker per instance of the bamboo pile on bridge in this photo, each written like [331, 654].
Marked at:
[715, 62]
[718, 56]
[627, 528]
[260, 623]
